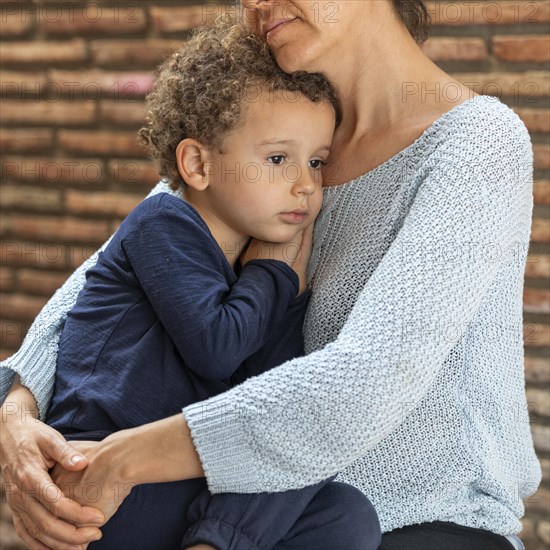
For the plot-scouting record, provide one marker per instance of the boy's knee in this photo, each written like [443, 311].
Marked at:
[361, 517]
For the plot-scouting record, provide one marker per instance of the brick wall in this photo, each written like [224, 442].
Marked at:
[74, 75]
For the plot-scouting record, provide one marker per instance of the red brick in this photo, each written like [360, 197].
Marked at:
[15, 22]
[455, 49]
[20, 307]
[53, 170]
[79, 254]
[536, 335]
[133, 172]
[25, 141]
[539, 401]
[53, 113]
[529, 84]
[169, 20]
[537, 370]
[536, 120]
[541, 437]
[95, 83]
[43, 52]
[12, 332]
[542, 156]
[540, 232]
[7, 279]
[47, 255]
[20, 83]
[101, 143]
[536, 300]
[91, 18]
[123, 113]
[40, 282]
[148, 53]
[538, 266]
[102, 204]
[539, 501]
[30, 198]
[4, 354]
[488, 13]
[522, 48]
[42, 228]
[541, 192]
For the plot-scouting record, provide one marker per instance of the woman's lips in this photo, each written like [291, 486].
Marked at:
[273, 27]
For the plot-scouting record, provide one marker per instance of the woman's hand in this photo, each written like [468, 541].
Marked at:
[43, 516]
[99, 485]
[294, 253]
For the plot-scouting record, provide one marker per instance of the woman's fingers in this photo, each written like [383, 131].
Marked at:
[61, 452]
[24, 535]
[34, 487]
[53, 532]
[38, 511]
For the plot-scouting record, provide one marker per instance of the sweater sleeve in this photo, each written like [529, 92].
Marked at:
[36, 359]
[314, 416]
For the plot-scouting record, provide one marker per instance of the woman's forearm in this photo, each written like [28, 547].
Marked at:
[158, 452]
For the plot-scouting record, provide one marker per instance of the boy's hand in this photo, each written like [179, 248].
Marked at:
[302, 259]
[294, 253]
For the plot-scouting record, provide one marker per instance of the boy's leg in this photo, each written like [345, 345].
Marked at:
[153, 516]
[257, 521]
[339, 517]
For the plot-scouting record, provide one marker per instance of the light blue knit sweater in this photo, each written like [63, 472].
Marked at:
[413, 388]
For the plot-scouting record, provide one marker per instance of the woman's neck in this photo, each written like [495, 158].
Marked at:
[387, 87]
[391, 92]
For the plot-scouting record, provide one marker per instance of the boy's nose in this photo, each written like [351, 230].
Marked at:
[306, 184]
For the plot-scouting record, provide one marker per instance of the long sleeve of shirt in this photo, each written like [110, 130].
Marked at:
[215, 319]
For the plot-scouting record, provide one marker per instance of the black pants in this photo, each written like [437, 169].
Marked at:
[440, 535]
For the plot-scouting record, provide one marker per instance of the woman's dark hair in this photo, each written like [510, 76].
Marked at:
[415, 16]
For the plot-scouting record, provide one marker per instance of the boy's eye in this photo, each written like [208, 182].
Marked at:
[316, 164]
[276, 159]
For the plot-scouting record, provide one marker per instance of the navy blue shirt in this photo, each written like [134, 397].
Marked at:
[164, 321]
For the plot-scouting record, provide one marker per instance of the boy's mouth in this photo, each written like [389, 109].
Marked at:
[296, 216]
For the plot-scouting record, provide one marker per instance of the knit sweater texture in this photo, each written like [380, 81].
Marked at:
[413, 386]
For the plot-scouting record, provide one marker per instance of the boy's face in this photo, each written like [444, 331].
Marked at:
[266, 181]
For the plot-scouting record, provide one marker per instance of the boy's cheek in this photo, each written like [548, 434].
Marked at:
[316, 203]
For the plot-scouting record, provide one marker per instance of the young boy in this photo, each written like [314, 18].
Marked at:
[169, 315]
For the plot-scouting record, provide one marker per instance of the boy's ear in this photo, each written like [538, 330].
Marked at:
[191, 156]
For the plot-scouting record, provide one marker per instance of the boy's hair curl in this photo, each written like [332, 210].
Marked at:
[201, 91]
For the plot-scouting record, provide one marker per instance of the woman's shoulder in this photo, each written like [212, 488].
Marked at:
[484, 117]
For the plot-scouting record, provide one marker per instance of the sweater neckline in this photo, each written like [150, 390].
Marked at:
[432, 129]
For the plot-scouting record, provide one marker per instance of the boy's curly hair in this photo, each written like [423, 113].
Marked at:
[201, 91]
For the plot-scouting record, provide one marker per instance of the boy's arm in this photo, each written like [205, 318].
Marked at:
[285, 342]
[214, 322]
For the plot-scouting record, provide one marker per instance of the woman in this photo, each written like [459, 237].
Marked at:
[413, 388]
